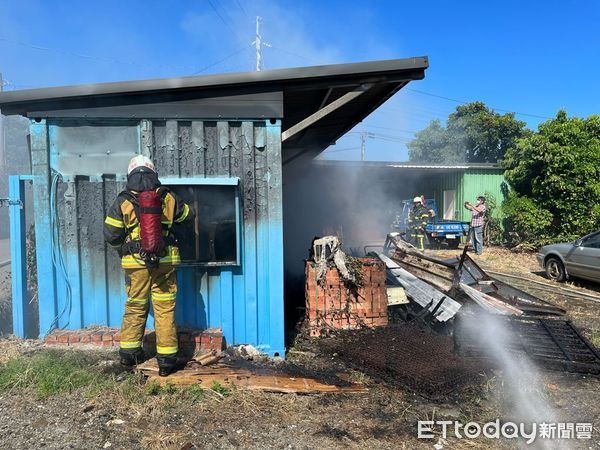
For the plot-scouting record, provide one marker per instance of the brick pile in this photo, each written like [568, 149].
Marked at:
[332, 305]
[192, 340]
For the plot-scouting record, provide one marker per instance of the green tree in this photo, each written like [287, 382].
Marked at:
[555, 175]
[431, 145]
[473, 133]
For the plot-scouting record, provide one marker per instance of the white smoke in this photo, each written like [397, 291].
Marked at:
[521, 386]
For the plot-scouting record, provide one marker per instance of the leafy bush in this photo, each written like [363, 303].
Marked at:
[526, 221]
[555, 174]
[493, 233]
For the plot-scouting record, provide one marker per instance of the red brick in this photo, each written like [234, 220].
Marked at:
[96, 337]
[63, 338]
[51, 339]
[74, 338]
[335, 306]
[85, 339]
[107, 337]
[106, 343]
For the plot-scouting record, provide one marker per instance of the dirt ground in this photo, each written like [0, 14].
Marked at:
[128, 416]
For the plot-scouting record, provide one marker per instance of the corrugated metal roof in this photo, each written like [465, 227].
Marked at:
[408, 165]
[441, 166]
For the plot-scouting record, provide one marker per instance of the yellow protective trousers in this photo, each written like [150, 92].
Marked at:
[419, 241]
[161, 284]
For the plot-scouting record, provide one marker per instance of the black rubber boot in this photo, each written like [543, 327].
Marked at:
[131, 357]
[166, 365]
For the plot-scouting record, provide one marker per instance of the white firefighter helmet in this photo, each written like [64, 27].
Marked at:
[417, 200]
[140, 161]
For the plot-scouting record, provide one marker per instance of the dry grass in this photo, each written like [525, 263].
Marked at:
[594, 336]
[356, 376]
[499, 259]
[11, 348]
[163, 439]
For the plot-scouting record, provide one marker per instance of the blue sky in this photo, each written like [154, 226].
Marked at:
[530, 57]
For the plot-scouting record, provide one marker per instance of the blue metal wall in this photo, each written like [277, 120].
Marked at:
[245, 301]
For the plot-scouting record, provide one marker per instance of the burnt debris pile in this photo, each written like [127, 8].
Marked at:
[456, 296]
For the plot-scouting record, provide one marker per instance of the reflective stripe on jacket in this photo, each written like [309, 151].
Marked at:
[418, 217]
[121, 225]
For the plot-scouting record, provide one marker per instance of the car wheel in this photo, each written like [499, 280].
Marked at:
[555, 270]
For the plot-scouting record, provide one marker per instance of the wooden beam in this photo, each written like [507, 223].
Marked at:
[326, 110]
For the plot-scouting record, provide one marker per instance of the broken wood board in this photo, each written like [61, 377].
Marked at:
[230, 376]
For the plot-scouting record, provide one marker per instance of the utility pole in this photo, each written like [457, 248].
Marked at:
[363, 146]
[258, 44]
[363, 143]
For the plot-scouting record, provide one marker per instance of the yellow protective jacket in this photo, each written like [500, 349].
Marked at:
[418, 218]
[122, 225]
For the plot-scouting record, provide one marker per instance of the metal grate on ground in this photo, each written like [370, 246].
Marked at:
[420, 361]
[554, 344]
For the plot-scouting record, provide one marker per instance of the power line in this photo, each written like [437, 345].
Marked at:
[422, 110]
[240, 50]
[224, 21]
[428, 93]
[391, 129]
[92, 57]
[464, 103]
[413, 117]
[112, 60]
[294, 54]
[342, 149]
[382, 136]
[226, 14]
[241, 7]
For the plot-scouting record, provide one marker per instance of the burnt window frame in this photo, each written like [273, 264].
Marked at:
[234, 183]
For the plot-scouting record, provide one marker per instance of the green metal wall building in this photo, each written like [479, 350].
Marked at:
[359, 200]
[467, 182]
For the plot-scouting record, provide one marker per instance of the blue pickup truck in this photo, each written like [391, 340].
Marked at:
[439, 232]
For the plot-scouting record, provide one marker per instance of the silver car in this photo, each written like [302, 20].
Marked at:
[574, 259]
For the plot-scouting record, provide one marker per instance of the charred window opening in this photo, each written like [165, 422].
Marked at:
[212, 237]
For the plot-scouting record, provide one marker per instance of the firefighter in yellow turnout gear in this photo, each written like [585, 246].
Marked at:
[417, 220]
[146, 276]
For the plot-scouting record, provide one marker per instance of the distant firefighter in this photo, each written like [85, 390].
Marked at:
[417, 220]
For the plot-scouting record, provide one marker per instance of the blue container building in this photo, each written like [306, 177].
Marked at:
[225, 142]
